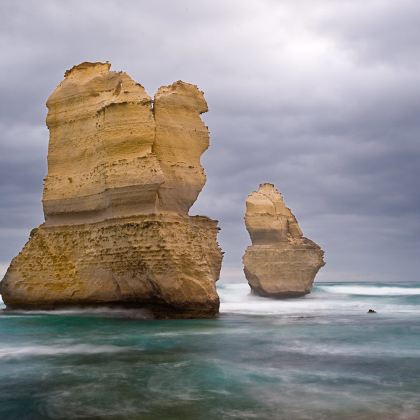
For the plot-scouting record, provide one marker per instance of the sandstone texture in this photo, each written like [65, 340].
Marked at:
[281, 262]
[123, 172]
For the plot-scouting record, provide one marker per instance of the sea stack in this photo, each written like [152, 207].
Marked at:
[123, 172]
[281, 262]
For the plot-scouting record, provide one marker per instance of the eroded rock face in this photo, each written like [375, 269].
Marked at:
[181, 138]
[281, 262]
[123, 171]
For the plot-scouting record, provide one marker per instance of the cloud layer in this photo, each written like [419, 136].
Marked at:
[320, 98]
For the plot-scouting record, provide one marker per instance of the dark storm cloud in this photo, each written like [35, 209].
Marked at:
[378, 32]
[320, 98]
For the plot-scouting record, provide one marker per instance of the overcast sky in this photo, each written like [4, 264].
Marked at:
[319, 97]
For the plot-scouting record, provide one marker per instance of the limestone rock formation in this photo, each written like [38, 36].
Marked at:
[280, 262]
[123, 171]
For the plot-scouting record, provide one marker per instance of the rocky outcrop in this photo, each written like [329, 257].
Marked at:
[123, 171]
[280, 262]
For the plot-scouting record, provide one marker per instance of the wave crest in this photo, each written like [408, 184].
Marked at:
[57, 350]
[371, 290]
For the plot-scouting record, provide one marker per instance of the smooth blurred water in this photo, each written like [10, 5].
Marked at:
[317, 357]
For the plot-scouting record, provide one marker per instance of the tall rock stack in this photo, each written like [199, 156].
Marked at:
[123, 171]
[280, 262]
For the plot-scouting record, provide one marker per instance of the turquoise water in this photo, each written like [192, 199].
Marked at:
[317, 357]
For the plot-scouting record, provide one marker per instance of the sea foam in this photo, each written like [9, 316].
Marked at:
[57, 350]
[325, 299]
[371, 290]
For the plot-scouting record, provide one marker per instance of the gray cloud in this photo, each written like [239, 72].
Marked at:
[320, 98]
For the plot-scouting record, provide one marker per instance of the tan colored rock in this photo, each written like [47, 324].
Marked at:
[100, 160]
[280, 262]
[122, 174]
[181, 139]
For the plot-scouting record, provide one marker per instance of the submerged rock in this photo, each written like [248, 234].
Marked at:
[123, 172]
[281, 262]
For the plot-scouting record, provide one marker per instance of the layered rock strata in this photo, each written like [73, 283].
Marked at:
[123, 171]
[281, 262]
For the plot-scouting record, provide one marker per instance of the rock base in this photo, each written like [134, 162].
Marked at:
[165, 264]
[283, 270]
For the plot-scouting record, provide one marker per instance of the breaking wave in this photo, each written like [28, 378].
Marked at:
[371, 290]
[325, 299]
[58, 350]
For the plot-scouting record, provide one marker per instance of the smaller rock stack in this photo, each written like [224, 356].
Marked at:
[281, 262]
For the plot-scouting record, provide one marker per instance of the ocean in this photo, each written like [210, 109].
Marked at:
[317, 357]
